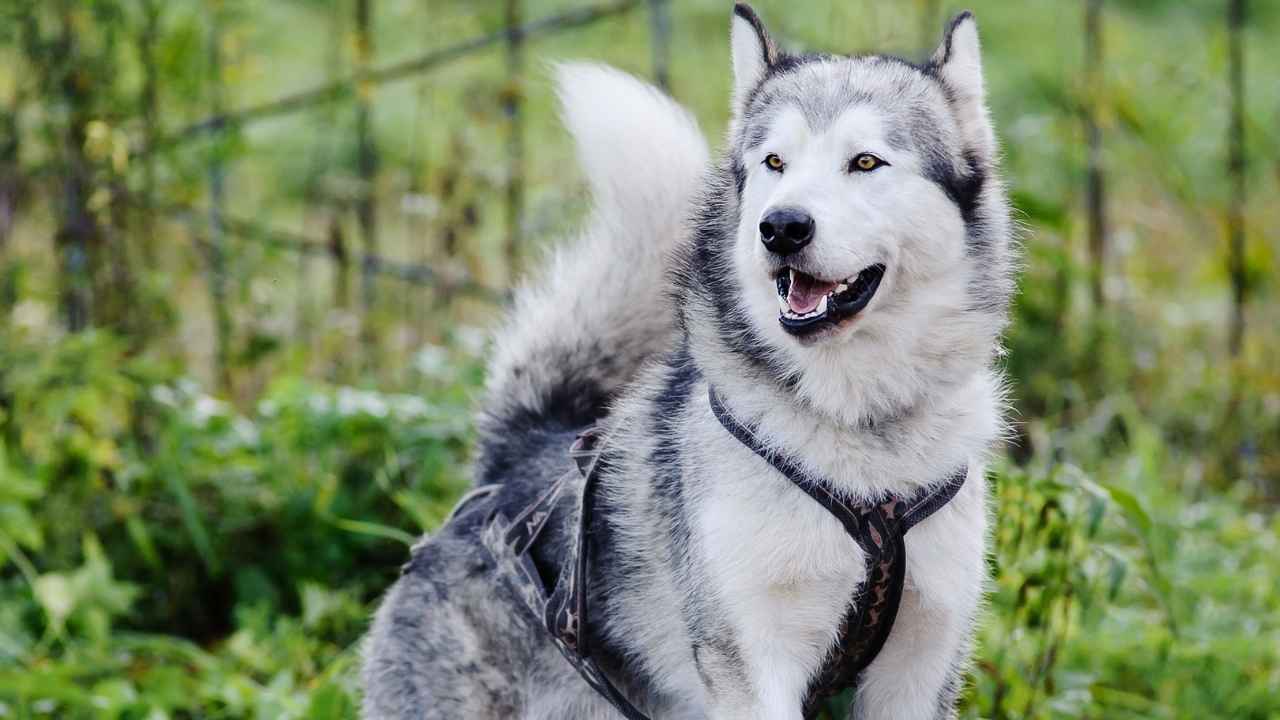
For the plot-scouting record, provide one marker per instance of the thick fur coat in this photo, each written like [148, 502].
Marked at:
[717, 586]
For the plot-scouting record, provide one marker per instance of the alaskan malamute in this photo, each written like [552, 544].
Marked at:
[772, 349]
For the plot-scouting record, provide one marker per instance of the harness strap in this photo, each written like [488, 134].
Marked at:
[563, 611]
[879, 529]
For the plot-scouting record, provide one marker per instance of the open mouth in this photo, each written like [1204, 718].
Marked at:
[809, 305]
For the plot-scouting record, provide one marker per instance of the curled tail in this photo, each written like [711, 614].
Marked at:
[599, 309]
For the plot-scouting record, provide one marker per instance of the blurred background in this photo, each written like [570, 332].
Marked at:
[250, 251]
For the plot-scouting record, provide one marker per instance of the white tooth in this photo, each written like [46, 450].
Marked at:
[840, 288]
[783, 305]
[822, 306]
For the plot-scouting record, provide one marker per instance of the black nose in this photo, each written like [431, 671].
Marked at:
[786, 230]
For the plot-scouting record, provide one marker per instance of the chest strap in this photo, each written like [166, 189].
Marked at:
[879, 528]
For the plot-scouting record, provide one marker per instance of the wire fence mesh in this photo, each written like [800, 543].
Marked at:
[210, 224]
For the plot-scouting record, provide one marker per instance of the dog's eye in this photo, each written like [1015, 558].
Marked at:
[773, 162]
[865, 162]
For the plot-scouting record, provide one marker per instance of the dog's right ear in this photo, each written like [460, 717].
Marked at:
[753, 53]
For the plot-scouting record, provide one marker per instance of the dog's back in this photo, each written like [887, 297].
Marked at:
[447, 642]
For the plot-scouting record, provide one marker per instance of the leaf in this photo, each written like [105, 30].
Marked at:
[141, 539]
[330, 702]
[96, 582]
[56, 595]
[1119, 570]
[17, 522]
[1097, 509]
[319, 603]
[1131, 506]
[365, 527]
[191, 519]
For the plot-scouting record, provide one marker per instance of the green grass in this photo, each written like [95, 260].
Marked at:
[168, 550]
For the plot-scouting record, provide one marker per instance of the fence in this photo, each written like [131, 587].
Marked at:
[213, 223]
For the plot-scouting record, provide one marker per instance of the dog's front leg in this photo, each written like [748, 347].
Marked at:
[733, 694]
[751, 708]
[917, 674]
[921, 668]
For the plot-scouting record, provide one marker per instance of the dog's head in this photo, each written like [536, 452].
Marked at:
[856, 245]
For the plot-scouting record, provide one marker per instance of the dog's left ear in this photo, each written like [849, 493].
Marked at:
[958, 63]
[753, 53]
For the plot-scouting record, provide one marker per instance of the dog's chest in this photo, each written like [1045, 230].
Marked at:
[772, 536]
[782, 567]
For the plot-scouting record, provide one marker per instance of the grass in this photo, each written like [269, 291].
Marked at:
[171, 549]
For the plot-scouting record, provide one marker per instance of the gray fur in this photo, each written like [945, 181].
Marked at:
[716, 585]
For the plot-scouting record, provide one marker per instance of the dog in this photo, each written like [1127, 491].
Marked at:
[838, 281]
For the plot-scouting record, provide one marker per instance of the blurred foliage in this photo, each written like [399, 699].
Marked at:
[175, 547]
[173, 555]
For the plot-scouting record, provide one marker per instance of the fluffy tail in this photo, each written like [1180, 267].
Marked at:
[600, 307]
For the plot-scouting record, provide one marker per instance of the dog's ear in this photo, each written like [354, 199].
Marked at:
[958, 64]
[753, 52]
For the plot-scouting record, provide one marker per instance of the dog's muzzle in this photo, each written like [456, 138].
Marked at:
[807, 304]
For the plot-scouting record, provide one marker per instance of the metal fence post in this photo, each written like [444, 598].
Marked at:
[1095, 187]
[367, 152]
[515, 138]
[217, 179]
[660, 29]
[150, 123]
[78, 228]
[1236, 170]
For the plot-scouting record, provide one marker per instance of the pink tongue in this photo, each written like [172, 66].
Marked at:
[806, 292]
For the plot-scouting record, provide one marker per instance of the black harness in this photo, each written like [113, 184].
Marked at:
[878, 528]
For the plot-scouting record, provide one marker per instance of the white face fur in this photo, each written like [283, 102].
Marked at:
[891, 215]
[932, 212]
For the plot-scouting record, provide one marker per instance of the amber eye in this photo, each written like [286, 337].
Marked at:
[773, 162]
[865, 162]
